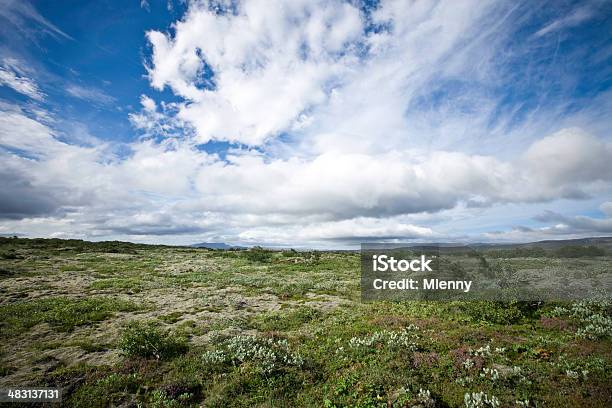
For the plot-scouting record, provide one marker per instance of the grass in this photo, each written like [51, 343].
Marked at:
[62, 313]
[119, 284]
[157, 326]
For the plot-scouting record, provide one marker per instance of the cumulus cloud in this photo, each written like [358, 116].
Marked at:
[149, 223]
[338, 76]
[249, 75]
[340, 185]
[173, 188]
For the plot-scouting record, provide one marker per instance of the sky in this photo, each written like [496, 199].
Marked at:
[306, 123]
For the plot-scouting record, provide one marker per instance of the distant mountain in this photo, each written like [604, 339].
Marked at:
[216, 245]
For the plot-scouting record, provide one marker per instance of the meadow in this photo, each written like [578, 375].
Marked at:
[119, 324]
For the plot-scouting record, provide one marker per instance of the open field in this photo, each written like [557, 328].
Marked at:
[128, 325]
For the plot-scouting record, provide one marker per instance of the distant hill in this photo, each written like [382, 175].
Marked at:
[216, 245]
[600, 242]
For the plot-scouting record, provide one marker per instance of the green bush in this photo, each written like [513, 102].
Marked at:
[290, 253]
[147, 340]
[258, 254]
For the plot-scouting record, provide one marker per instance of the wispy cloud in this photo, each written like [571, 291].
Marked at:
[13, 75]
[26, 20]
[145, 5]
[576, 17]
[90, 94]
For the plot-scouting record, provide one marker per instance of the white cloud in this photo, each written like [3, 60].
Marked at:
[570, 155]
[339, 185]
[340, 232]
[13, 75]
[271, 62]
[153, 120]
[148, 104]
[21, 132]
[172, 188]
[313, 70]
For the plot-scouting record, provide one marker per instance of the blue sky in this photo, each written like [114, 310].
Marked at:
[99, 47]
[306, 123]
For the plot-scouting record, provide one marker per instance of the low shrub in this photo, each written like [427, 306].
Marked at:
[396, 340]
[267, 355]
[147, 340]
[592, 316]
[258, 254]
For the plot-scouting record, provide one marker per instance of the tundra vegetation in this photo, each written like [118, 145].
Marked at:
[118, 324]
